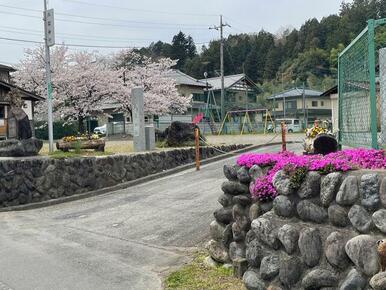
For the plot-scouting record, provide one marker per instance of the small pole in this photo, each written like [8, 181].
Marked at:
[283, 141]
[197, 148]
[48, 82]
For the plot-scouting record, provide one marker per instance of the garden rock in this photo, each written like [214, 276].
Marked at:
[309, 211]
[335, 251]
[255, 253]
[238, 233]
[310, 246]
[379, 219]
[234, 188]
[254, 211]
[360, 218]
[236, 250]
[269, 267]
[338, 215]
[310, 186]
[217, 251]
[230, 172]
[208, 261]
[282, 183]
[319, 278]
[353, 280]
[20, 148]
[369, 188]
[266, 206]
[283, 206]
[288, 236]
[290, 271]
[329, 187]
[242, 200]
[378, 282]
[223, 215]
[348, 192]
[216, 231]
[252, 281]
[255, 172]
[243, 175]
[382, 192]
[265, 230]
[225, 200]
[227, 235]
[363, 253]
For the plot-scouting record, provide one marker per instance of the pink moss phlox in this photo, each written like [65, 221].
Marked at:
[344, 160]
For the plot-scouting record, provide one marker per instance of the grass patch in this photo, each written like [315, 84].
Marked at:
[197, 276]
[77, 153]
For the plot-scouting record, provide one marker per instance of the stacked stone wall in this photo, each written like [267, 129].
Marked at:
[36, 179]
[322, 235]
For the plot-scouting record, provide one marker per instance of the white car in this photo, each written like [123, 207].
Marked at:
[101, 130]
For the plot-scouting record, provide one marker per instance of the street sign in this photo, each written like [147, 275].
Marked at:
[49, 27]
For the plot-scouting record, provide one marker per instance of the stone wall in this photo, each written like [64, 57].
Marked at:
[321, 236]
[39, 179]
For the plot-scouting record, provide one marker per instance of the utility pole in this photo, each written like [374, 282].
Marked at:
[304, 107]
[221, 29]
[49, 40]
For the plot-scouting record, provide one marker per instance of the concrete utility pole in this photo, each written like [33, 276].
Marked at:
[49, 40]
[221, 29]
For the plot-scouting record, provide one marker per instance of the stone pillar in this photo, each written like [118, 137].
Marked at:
[150, 137]
[138, 120]
[382, 81]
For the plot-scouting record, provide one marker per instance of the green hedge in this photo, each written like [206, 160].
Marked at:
[60, 130]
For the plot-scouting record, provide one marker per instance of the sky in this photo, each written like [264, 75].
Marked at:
[118, 23]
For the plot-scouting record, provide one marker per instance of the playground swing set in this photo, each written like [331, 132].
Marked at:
[243, 118]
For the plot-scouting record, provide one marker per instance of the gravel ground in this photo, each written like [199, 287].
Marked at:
[125, 146]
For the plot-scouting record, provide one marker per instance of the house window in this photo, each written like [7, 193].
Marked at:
[314, 103]
[322, 103]
[291, 105]
[2, 112]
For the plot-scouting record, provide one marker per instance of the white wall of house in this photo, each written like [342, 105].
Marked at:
[335, 112]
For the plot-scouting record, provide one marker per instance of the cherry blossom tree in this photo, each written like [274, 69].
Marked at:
[154, 76]
[82, 82]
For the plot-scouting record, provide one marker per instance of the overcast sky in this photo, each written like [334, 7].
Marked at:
[138, 23]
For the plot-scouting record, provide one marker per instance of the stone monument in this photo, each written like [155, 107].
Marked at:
[20, 141]
[138, 120]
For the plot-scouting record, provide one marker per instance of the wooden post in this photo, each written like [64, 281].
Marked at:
[197, 148]
[283, 141]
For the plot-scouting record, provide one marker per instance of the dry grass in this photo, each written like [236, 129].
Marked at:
[197, 276]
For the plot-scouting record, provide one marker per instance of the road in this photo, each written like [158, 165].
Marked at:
[121, 240]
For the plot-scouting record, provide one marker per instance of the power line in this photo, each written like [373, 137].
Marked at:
[66, 44]
[107, 19]
[141, 10]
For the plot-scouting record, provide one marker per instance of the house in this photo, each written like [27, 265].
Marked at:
[332, 93]
[305, 104]
[5, 87]
[240, 92]
[186, 86]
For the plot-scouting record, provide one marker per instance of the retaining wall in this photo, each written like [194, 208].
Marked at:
[321, 236]
[36, 179]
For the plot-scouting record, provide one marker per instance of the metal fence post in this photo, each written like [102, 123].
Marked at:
[382, 81]
[373, 96]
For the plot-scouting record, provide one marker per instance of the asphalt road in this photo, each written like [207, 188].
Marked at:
[121, 240]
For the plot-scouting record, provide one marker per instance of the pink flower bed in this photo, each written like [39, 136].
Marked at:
[343, 161]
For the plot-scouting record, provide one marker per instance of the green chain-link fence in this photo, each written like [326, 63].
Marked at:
[359, 99]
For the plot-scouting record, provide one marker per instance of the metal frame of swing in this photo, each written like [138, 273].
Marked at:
[247, 119]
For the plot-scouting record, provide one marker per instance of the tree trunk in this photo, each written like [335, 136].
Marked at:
[81, 125]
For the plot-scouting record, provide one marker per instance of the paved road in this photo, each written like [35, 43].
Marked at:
[121, 240]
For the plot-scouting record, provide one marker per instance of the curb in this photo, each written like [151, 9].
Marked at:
[138, 181]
